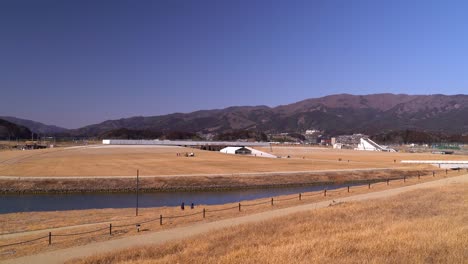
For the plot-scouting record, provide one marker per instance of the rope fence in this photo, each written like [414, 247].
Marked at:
[24, 242]
[81, 233]
[255, 204]
[219, 210]
[298, 197]
[180, 216]
[287, 199]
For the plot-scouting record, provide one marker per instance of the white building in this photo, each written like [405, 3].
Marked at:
[337, 146]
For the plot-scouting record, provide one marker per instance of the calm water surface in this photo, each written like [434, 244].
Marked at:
[55, 202]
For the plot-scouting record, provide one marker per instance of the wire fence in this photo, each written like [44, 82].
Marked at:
[271, 201]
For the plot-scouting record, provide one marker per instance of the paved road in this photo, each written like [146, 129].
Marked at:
[60, 256]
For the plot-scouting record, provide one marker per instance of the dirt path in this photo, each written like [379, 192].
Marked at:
[60, 256]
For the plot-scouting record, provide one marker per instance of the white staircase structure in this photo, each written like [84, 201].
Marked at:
[369, 145]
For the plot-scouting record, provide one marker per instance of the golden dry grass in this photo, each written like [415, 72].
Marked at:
[124, 161]
[30, 221]
[314, 153]
[424, 226]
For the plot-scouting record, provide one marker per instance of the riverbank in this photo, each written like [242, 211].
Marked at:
[418, 226]
[57, 185]
[123, 220]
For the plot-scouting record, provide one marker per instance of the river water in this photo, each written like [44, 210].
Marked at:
[78, 201]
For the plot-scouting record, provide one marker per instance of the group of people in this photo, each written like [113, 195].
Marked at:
[191, 154]
[182, 206]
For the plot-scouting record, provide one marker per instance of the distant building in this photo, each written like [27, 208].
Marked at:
[351, 140]
[313, 136]
[337, 146]
[369, 145]
[312, 132]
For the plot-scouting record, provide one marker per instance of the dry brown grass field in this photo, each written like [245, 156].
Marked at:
[314, 153]
[124, 161]
[423, 226]
[82, 220]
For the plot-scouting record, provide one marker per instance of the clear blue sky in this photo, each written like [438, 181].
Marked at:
[73, 63]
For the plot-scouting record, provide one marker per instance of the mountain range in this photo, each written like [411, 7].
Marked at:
[11, 131]
[36, 127]
[334, 114]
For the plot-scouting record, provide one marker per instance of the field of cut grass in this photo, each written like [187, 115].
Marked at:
[125, 160]
[423, 226]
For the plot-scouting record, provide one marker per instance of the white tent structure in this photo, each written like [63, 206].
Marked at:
[236, 150]
[246, 151]
[369, 145]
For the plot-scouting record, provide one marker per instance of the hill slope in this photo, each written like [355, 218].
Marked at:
[34, 126]
[335, 114]
[12, 131]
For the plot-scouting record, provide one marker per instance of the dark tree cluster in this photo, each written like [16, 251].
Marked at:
[242, 134]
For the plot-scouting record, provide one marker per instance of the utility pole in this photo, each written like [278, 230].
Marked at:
[137, 183]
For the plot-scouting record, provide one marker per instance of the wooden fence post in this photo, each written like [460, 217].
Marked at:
[110, 229]
[50, 238]
[300, 197]
[419, 175]
[446, 171]
[388, 181]
[203, 212]
[369, 186]
[433, 173]
[404, 178]
[160, 219]
[271, 201]
[325, 192]
[239, 207]
[348, 188]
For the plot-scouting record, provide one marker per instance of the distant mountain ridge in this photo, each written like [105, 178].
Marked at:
[334, 114]
[11, 131]
[36, 127]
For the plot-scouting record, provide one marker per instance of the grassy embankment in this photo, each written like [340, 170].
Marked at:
[424, 226]
[201, 183]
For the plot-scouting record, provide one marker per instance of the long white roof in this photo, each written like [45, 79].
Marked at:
[181, 142]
